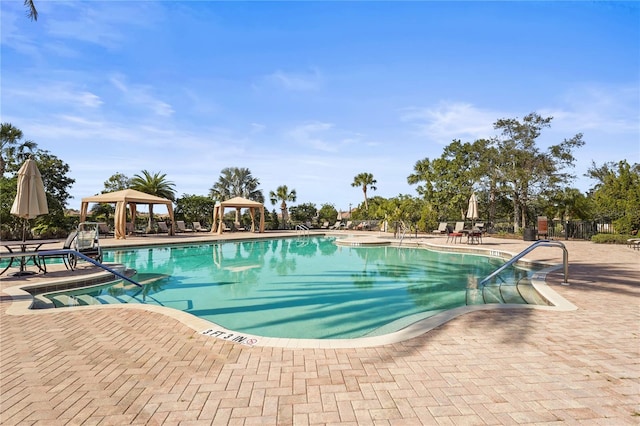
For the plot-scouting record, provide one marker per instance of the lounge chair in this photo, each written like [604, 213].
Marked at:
[452, 234]
[103, 229]
[131, 230]
[348, 224]
[325, 225]
[162, 227]
[459, 227]
[442, 229]
[66, 258]
[633, 243]
[181, 227]
[87, 242]
[198, 228]
[337, 225]
[237, 226]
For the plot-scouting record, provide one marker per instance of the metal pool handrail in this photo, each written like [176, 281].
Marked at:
[88, 259]
[541, 243]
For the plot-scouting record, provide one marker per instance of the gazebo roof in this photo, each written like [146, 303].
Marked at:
[127, 196]
[240, 202]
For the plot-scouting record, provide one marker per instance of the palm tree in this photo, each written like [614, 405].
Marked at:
[154, 184]
[236, 182]
[365, 180]
[282, 193]
[31, 8]
[12, 150]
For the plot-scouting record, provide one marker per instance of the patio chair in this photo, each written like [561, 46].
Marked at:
[337, 225]
[66, 258]
[348, 225]
[543, 227]
[87, 242]
[452, 234]
[325, 225]
[198, 228]
[162, 227]
[459, 227]
[103, 229]
[238, 226]
[181, 227]
[442, 229]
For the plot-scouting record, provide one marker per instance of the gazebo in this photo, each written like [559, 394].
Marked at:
[129, 197]
[237, 203]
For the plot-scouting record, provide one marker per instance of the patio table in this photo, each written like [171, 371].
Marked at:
[24, 251]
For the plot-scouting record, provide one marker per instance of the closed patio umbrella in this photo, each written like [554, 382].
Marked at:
[472, 211]
[31, 200]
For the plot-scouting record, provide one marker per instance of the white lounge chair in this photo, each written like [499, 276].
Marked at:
[442, 229]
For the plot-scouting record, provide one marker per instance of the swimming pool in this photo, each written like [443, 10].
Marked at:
[295, 287]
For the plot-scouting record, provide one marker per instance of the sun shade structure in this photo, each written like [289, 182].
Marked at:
[472, 211]
[31, 199]
[237, 203]
[121, 199]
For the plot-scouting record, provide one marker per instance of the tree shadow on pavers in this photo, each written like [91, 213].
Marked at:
[589, 286]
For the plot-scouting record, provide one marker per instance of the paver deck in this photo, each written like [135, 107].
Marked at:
[132, 366]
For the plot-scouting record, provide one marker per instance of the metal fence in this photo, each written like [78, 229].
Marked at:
[558, 229]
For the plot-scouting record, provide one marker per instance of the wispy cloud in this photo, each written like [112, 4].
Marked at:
[302, 82]
[141, 95]
[311, 135]
[611, 109]
[99, 24]
[55, 93]
[452, 120]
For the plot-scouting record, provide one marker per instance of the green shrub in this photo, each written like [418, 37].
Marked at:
[610, 238]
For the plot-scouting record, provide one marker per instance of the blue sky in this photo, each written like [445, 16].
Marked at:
[309, 94]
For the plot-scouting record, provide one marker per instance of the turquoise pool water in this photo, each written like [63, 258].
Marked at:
[296, 288]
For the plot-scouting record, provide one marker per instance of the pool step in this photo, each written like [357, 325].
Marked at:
[105, 299]
[530, 294]
[511, 294]
[62, 300]
[85, 299]
[491, 293]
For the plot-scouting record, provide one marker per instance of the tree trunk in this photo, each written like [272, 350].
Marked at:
[516, 215]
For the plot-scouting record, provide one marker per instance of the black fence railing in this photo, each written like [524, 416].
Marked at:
[559, 229]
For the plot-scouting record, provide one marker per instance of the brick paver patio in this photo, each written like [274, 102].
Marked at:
[130, 366]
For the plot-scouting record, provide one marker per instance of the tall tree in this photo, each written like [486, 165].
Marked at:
[616, 195]
[154, 184]
[236, 182]
[366, 181]
[195, 208]
[283, 194]
[304, 212]
[57, 184]
[449, 180]
[13, 151]
[524, 168]
[116, 182]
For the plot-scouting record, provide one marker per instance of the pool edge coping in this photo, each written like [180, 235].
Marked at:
[22, 301]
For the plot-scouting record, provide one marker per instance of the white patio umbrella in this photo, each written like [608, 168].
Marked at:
[31, 200]
[472, 211]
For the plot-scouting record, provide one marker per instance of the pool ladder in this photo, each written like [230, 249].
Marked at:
[541, 243]
[302, 229]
